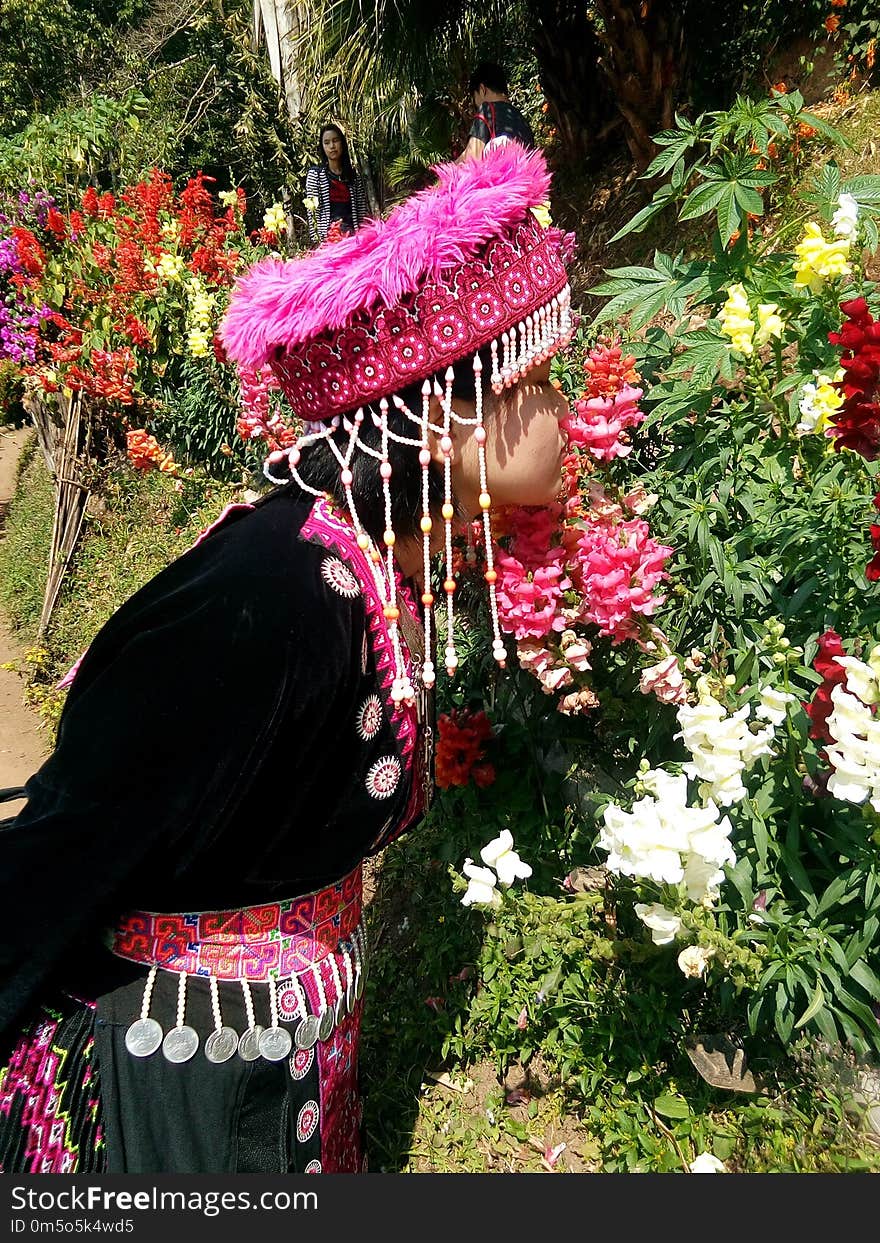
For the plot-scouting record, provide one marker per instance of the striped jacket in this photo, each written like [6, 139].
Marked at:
[318, 187]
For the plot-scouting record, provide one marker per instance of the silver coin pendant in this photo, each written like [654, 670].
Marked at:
[325, 1026]
[275, 1044]
[180, 1044]
[307, 1032]
[143, 1037]
[249, 1045]
[221, 1044]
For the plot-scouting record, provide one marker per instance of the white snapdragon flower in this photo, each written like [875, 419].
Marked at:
[702, 879]
[722, 746]
[481, 889]
[707, 1163]
[668, 788]
[772, 705]
[500, 855]
[694, 960]
[708, 837]
[665, 925]
[845, 220]
[861, 679]
[643, 843]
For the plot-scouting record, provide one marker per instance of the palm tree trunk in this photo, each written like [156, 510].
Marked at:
[568, 51]
[643, 59]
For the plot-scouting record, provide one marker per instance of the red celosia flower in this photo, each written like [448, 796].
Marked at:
[138, 331]
[90, 201]
[833, 674]
[460, 751]
[30, 253]
[55, 223]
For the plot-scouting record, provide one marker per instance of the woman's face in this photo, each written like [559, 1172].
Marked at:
[332, 144]
[525, 445]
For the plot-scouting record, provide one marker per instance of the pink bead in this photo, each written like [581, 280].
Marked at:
[275, 457]
[347, 478]
[425, 457]
[385, 470]
[293, 456]
[445, 444]
[480, 435]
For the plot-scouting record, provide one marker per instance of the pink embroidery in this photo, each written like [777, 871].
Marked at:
[369, 718]
[307, 1121]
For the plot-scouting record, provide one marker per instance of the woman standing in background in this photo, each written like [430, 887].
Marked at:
[335, 188]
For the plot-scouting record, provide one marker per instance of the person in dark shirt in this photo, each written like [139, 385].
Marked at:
[496, 119]
[183, 948]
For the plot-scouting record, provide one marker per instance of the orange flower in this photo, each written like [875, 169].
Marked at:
[831, 23]
[780, 88]
[871, 53]
[838, 4]
[145, 453]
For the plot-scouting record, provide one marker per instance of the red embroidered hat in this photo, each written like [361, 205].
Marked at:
[463, 265]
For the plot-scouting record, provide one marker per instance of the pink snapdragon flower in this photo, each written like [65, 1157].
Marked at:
[618, 568]
[598, 423]
[664, 680]
[529, 598]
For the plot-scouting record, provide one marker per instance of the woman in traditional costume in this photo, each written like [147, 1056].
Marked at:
[183, 957]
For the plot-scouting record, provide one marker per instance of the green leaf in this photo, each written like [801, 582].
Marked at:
[643, 218]
[817, 1001]
[669, 1106]
[862, 974]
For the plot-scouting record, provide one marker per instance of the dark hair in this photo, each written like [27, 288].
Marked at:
[347, 170]
[320, 468]
[487, 73]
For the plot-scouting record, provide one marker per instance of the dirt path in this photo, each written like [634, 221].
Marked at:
[22, 744]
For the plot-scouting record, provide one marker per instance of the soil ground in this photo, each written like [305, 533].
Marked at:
[22, 744]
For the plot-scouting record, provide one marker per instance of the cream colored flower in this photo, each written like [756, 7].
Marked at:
[694, 959]
[500, 855]
[706, 1163]
[665, 925]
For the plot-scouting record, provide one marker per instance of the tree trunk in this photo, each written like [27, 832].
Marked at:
[642, 57]
[567, 49]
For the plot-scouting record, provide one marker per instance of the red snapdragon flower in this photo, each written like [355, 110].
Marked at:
[460, 753]
[833, 674]
[856, 425]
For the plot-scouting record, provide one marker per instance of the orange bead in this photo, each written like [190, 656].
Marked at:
[449, 586]
[485, 500]
[427, 599]
[491, 576]
[389, 537]
[375, 555]
[427, 526]
[391, 613]
[363, 541]
[448, 512]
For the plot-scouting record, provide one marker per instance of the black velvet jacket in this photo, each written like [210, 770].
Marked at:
[211, 754]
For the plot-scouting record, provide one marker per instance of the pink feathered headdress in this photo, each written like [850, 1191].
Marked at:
[462, 265]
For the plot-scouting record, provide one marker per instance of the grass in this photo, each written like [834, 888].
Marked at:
[136, 524]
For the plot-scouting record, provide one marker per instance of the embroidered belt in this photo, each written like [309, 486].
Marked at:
[310, 951]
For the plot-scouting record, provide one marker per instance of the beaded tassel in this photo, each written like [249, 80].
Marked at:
[448, 512]
[498, 649]
[427, 524]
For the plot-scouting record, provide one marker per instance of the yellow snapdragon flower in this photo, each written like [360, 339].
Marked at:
[818, 403]
[169, 267]
[770, 323]
[818, 260]
[736, 320]
[542, 214]
[229, 198]
[201, 305]
[198, 341]
[275, 219]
